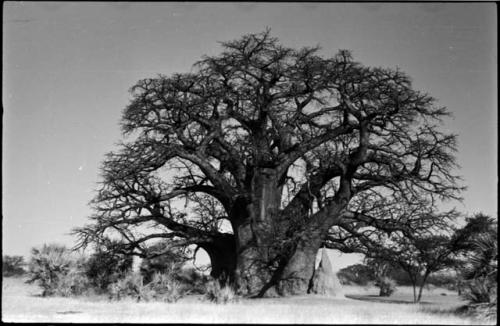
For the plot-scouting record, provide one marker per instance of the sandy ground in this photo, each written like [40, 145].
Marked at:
[22, 303]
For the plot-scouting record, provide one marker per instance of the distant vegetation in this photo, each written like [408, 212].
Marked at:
[13, 265]
[362, 274]
[104, 268]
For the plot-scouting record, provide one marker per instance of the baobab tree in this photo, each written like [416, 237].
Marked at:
[281, 143]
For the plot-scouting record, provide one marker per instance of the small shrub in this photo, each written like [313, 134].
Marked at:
[483, 312]
[12, 265]
[165, 288]
[162, 287]
[57, 271]
[73, 283]
[131, 285]
[192, 280]
[486, 311]
[106, 267]
[220, 294]
[386, 285]
[161, 264]
[47, 266]
[162, 258]
[480, 290]
[481, 272]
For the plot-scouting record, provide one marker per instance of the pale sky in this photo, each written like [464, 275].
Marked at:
[67, 68]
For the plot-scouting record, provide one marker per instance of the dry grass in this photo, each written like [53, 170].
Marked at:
[20, 303]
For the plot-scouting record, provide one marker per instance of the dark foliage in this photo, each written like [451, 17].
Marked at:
[13, 266]
[359, 274]
[386, 285]
[105, 267]
[193, 281]
[163, 258]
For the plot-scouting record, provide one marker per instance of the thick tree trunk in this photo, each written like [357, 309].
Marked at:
[276, 253]
[222, 253]
[297, 275]
[256, 234]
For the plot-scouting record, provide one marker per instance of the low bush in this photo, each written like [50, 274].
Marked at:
[162, 257]
[73, 283]
[483, 312]
[165, 259]
[13, 266]
[105, 267]
[162, 264]
[480, 290]
[162, 287]
[166, 288]
[193, 281]
[220, 294]
[57, 270]
[386, 285]
[481, 271]
[130, 286]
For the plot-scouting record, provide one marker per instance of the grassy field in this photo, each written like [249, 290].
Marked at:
[22, 303]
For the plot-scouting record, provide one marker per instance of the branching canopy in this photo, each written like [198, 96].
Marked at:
[330, 128]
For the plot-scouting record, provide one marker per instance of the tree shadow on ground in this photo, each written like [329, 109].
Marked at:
[68, 312]
[37, 295]
[376, 298]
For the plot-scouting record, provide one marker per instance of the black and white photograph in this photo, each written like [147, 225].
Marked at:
[250, 162]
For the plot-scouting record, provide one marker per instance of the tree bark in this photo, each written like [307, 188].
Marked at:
[276, 250]
[424, 280]
[414, 285]
[222, 253]
[298, 272]
[256, 233]
[297, 275]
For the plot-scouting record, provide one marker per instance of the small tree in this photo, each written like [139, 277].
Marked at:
[380, 269]
[12, 265]
[422, 255]
[428, 255]
[420, 246]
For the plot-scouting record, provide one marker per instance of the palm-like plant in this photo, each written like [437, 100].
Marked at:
[48, 265]
[482, 269]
